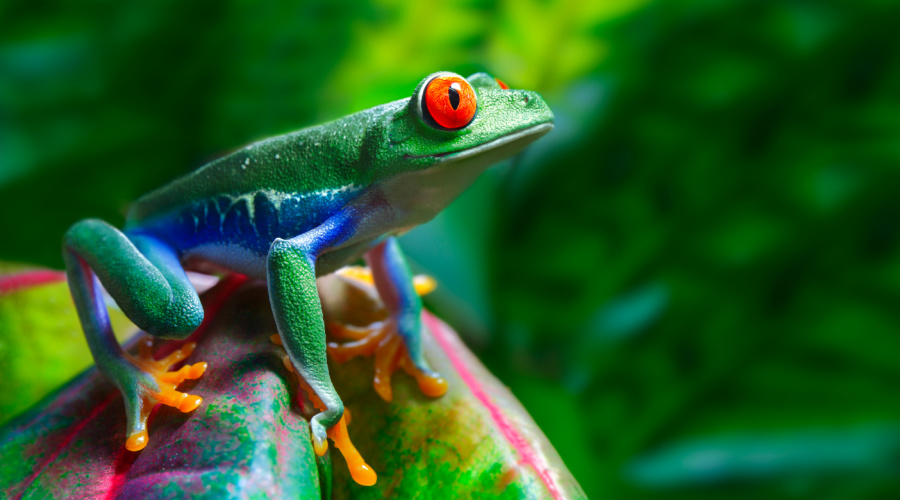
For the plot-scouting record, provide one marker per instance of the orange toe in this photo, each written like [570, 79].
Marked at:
[320, 448]
[433, 387]
[359, 469]
[167, 381]
[137, 441]
[190, 403]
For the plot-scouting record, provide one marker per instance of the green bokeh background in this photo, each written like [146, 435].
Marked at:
[692, 283]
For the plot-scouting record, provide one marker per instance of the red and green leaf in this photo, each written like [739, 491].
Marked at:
[248, 437]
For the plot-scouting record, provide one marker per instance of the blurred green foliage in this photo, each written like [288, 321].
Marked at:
[59, 353]
[705, 250]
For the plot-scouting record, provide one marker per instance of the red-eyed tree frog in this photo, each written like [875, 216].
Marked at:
[288, 209]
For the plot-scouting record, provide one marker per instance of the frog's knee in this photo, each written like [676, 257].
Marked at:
[80, 234]
[87, 225]
[190, 314]
[180, 319]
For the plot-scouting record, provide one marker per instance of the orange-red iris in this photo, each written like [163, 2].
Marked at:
[450, 101]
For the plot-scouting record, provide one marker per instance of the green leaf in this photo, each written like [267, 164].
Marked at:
[249, 439]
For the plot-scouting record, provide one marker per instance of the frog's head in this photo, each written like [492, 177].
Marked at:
[450, 130]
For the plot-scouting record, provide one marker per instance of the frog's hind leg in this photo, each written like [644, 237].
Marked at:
[145, 278]
[395, 342]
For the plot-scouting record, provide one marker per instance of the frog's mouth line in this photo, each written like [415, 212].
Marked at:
[531, 133]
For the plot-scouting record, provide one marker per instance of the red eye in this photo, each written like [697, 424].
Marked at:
[502, 85]
[450, 101]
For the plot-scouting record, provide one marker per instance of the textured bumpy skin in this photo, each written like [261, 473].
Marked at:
[288, 209]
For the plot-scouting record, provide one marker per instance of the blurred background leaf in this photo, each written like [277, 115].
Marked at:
[33, 365]
[705, 250]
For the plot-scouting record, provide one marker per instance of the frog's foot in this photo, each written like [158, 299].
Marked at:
[145, 398]
[382, 340]
[360, 471]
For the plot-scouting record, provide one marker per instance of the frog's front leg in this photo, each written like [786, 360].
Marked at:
[148, 283]
[396, 342]
[298, 314]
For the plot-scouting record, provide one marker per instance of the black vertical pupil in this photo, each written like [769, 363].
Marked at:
[453, 94]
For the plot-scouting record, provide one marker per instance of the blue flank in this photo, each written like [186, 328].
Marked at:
[252, 225]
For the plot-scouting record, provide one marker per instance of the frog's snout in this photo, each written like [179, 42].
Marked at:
[525, 97]
[534, 103]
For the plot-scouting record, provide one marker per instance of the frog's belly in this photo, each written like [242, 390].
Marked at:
[250, 262]
[230, 256]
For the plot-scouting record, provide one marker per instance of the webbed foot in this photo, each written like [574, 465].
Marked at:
[156, 384]
[381, 339]
[360, 471]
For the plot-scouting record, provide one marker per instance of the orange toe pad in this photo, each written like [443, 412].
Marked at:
[167, 382]
[360, 471]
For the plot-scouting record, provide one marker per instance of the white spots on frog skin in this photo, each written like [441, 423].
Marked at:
[330, 193]
[277, 156]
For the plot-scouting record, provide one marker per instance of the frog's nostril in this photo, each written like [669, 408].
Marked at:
[526, 98]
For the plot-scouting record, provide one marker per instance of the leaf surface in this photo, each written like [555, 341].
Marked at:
[249, 438]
